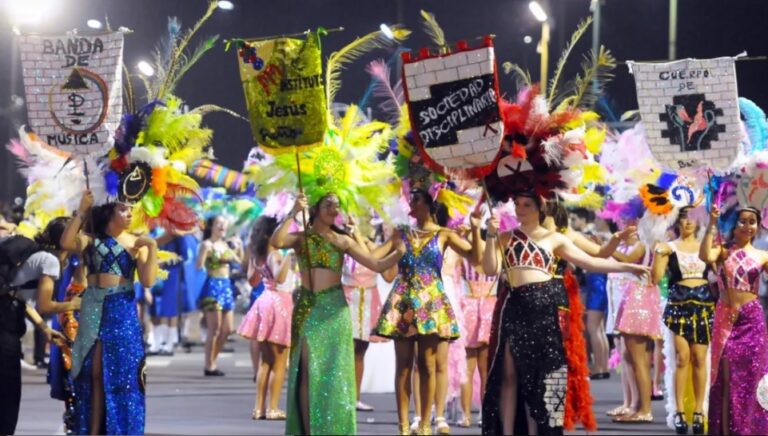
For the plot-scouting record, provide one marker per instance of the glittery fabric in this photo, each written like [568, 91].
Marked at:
[217, 295]
[689, 313]
[739, 337]
[740, 272]
[322, 324]
[477, 306]
[529, 326]
[596, 292]
[640, 310]
[269, 319]
[322, 253]
[118, 329]
[417, 303]
[525, 252]
[107, 256]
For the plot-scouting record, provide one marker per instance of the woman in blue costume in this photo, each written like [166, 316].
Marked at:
[108, 355]
[217, 299]
[321, 381]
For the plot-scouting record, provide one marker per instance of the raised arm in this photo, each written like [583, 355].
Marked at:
[71, 240]
[283, 238]
[282, 265]
[660, 262]
[491, 258]
[459, 245]
[565, 249]
[202, 254]
[634, 256]
[146, 260]
[367, 260]
[708, 253]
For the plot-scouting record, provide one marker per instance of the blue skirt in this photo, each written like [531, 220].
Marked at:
[123, 367]
[217, 295]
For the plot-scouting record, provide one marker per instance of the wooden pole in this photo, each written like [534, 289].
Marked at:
[304, 220]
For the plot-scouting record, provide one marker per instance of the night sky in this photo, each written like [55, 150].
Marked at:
[631, 29]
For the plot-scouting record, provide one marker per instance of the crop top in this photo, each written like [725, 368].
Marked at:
[740, 272]
[218, 258]
[322, 253]
[524, 252]
[685, 265]
[107, 256]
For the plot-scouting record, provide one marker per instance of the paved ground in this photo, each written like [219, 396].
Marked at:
[181, 401]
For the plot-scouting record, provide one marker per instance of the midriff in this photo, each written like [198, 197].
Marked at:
[102, 280]
[736, 298]
[519, 276]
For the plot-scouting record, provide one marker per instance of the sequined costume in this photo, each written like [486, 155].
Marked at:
[417, 304]
[362, 293]
[477, 305]
[269, 318]
[322, 327]
[740, 339]
[529, 326]
[217, 294]
[689, 310]
[639, 312]
[109, 315]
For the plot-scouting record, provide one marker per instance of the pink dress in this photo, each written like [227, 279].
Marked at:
[477, 305]
[363, 299]
[639, 312]
[269, 319]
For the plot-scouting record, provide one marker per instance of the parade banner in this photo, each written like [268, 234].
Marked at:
[74, 88]
[453, 106]
[690, 111]
[283, 84]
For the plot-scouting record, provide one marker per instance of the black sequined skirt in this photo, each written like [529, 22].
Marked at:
[689, 313]
[529, 326]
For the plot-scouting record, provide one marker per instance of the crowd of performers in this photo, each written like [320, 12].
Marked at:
[487, 274]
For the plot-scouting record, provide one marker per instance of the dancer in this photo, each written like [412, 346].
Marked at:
[477, 305]
[529, 357]
[739, 339]
[108, 355]
[217, 299]
[688, 315]
[596, 301]
[321, 381]
[362, 293]
[418, 311]
[268, 322]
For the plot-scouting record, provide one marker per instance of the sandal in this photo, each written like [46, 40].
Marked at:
[257, 415]
[415, 424]
[635, 418]
[619, 411]
[275, 415]
[464, 422]
[404, 429]
[442, 426]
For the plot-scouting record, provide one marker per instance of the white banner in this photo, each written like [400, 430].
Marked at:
[690, 111]
[73, 86]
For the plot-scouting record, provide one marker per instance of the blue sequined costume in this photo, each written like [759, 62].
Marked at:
[108, 315]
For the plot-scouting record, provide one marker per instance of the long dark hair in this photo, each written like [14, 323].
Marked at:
[558, 212]
[313, 210]
[437, 210]
[536, 199]
[50, 237]
[100, 217]
[261, 231]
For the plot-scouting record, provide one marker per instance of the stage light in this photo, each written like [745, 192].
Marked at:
[94, 24]
[226, 5]
[29, 11]
[145, 68]
[387, 31]
[537, 11]
[527, 39]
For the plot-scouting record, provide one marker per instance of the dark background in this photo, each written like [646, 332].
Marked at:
[632, 29]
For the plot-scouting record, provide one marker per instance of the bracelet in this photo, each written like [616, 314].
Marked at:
[492, 236]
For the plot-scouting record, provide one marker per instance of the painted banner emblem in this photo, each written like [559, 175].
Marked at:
[73, 86]
[690, 111]
[454, 109]
[283, 84]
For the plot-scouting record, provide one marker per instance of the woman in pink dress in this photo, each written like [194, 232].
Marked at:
[268, 322]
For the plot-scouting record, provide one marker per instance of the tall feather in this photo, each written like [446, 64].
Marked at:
[522, 77]
[433, 29]
[587, 87]
[354, 50]
[392, 97]
[757, 127]
[553, 84]
[179, 62]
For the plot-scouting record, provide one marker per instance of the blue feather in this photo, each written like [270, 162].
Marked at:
[633, 209]
[112, 182]
[666, 179]
[757, 127]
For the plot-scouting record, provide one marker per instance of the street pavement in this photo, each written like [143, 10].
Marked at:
[181, 401]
